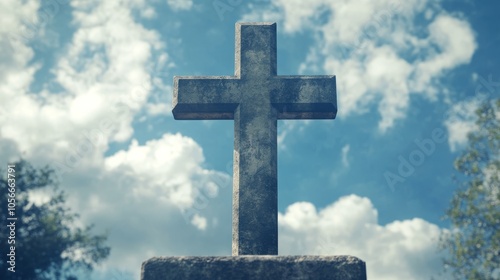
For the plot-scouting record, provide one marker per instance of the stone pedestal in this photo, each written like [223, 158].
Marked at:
[254, 267]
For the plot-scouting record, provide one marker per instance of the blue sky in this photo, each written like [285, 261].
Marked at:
[86, 87]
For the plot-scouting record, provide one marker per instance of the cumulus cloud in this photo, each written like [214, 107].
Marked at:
[460, 119]
[158, 185]
[167, 169]
[104, 76]
[19, 25]
[382, 52]
[460, 122]
[103, 79]
[398, 250]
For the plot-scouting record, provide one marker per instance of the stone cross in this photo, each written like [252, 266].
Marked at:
[255, 98]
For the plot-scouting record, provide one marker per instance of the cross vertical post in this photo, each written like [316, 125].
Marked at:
[255, 185]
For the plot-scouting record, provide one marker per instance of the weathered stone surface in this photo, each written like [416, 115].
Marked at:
[256, 97]
[255, 267]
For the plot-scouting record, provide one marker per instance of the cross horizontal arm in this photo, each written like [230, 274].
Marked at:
[205, 97]
[305, 97]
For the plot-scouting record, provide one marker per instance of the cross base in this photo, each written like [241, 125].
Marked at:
[254, 267]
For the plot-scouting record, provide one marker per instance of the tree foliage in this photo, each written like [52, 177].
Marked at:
[48, 244]
[474, 241]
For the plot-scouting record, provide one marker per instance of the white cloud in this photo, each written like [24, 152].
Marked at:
[399, 250]
[18, 26]
[106, 80]
[167, 169]
[199, 222]
[148, 13]
[105, 76]
[157, 185]
[460, 122]
[180, 4]
[455, 42]
[381, 51]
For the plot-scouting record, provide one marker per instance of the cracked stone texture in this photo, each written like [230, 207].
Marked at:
[255, 267]
[255, 97]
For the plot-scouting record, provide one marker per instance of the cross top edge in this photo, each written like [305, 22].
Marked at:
[264, 23]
